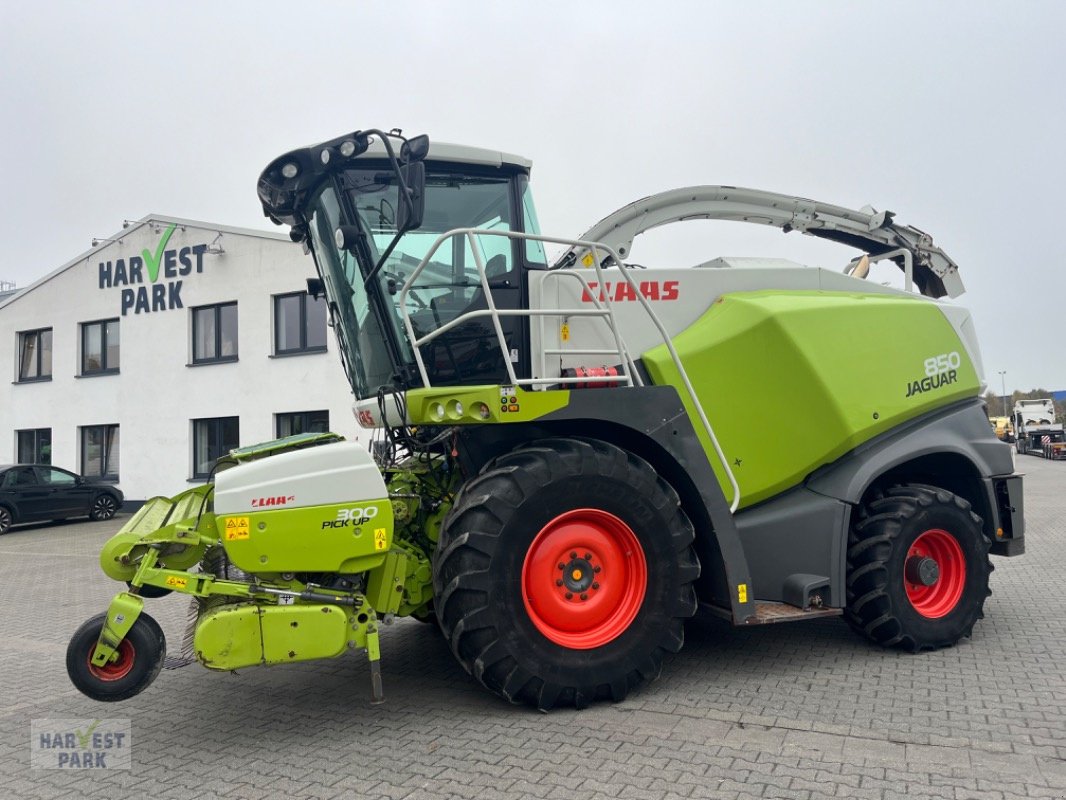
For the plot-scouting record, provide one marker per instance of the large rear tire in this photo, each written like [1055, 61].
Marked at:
[918, 569]
[564, 573]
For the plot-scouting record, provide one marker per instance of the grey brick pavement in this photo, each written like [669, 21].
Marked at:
[789, 711]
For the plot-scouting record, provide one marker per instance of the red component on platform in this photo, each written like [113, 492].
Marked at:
[593, 372]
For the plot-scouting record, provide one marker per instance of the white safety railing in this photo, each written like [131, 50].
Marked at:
[602, 308]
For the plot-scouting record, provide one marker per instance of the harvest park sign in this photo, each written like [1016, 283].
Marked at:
[140, 275]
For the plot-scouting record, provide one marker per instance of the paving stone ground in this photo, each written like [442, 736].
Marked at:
[789, 711]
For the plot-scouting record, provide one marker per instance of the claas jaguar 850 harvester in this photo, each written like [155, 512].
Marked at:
[560, 466]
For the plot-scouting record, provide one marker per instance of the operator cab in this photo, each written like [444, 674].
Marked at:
[370, 217]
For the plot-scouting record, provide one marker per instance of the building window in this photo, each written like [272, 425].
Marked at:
[34, 446]
[99, 451]
[99, 347]
[212, 439]
[35, 355]
[302, 422]
[214, 333]
[299, 324]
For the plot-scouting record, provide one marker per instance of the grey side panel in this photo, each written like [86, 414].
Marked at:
[796, 533]
[1011, 515]
[961, 430]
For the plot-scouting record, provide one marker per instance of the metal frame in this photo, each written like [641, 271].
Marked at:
[630, 375]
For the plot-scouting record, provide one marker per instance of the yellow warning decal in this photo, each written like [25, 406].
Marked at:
[742, 592]
[237, 528]
[176, 582]
[587, 260]
[379, 538]
[565, 333]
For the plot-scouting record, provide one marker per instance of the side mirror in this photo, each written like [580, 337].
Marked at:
[415, 149]
[410, 210]
[316, 288]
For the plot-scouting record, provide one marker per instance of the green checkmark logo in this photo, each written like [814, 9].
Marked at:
[85, 738]
[152, 261]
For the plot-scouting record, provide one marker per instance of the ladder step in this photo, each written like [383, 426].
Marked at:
[768, 612]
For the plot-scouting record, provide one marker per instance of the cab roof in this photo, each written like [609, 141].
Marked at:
[283, 197]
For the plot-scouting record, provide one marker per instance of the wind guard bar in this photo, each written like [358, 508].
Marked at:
[870, 231]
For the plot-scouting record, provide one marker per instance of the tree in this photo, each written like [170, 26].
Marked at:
[995, 404]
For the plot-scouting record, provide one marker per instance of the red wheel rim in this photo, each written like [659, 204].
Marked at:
[938, 598]
[584, 579]
[114, 670]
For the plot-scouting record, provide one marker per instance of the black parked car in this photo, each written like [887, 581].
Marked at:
[35, 492]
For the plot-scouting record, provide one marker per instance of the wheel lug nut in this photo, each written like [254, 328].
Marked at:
[569, 595]
[596, 569]
[595, 586]
[573, 555]
[562, 565]
[559, 582]
[584, 596]
[588, 556]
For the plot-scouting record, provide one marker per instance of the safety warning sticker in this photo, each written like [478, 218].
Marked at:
[237, 528]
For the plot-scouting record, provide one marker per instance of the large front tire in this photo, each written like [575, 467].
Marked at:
[918, 569]
[564, 573]
[140, 657]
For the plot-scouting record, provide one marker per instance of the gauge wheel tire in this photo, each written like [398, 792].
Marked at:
[140, 657]
[564, 573]
[7, 519]
[918, 569]
[103, 508]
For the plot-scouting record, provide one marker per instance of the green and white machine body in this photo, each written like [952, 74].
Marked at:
[774, 406]
[295, 512]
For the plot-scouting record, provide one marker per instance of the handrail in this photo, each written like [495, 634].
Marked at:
[588, 292]
[629, 366]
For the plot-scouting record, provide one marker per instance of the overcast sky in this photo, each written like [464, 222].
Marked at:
[950, 114]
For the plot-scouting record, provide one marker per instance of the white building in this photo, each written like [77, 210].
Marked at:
[162, 347]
